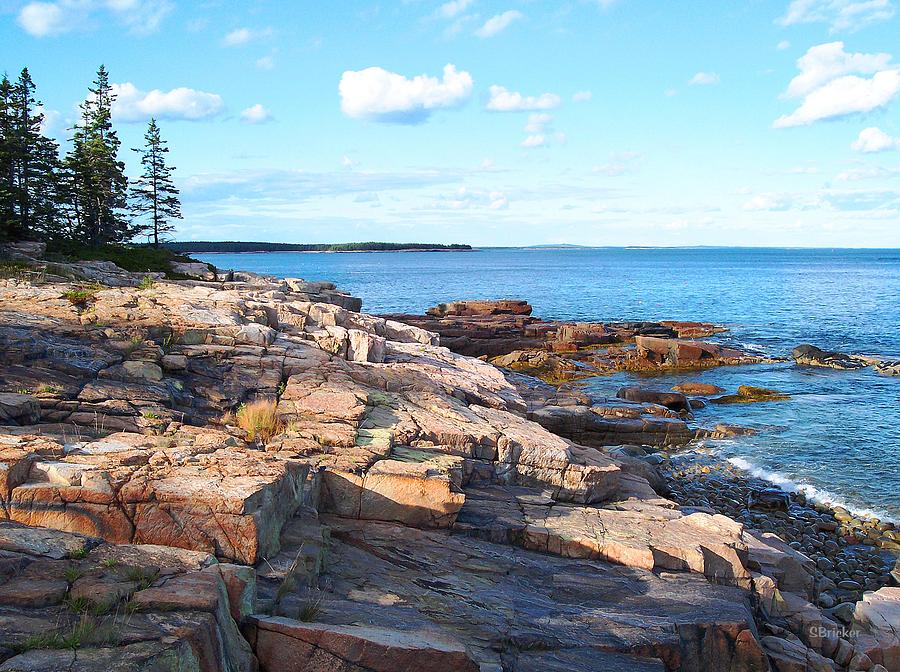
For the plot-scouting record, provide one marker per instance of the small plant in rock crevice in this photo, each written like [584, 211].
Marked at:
[259, 419]
[72, 574]
[311, 607]
[81, 297]
[79, 553]
[142, 576]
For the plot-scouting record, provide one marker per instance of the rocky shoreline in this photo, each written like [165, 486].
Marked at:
[252, 474]
[852, 554]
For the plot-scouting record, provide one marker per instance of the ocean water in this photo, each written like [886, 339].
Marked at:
[837, 438]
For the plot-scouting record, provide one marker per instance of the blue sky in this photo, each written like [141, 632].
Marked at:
[519, 122]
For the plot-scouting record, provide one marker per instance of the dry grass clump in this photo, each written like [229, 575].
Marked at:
[259, 419]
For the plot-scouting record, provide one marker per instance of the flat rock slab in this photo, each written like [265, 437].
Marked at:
[36, 541]
[502, 603]
[286, 645]
[633, 534]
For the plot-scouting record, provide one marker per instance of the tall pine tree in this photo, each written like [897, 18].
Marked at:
[96, 185]
[7, 161]
[36, 166]
[29, 162]
[153, 193]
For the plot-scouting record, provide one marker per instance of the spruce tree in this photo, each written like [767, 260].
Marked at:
[154, 193]
[36, 164]
[28, 164]
[7, 166]
[97, 186]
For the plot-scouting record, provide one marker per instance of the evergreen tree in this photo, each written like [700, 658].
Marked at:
[28, 163]
[7, 165]
[154, 193]
[36, 161]
[96, 185]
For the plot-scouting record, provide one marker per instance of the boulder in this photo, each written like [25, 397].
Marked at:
[19, 409]
[810, 355]
[768, 498]
[891, 368]
[877, 619]
[671, 400]
[791, 656]
[194, 269]
[699, 389]
[748, 394]
[480, 308]
[653, 352]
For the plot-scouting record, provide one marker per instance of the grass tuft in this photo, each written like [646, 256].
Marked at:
[144, 577]
[81, 297]
[311, 608]
[260, 420]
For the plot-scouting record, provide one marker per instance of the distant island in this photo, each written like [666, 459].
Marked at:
[203, 246]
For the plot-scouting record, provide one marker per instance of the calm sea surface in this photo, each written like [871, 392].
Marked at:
[838, 438]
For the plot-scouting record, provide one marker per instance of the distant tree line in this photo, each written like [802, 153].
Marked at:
[83, 196]
[199, 247]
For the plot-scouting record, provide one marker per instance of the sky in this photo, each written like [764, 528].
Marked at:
[496, 122]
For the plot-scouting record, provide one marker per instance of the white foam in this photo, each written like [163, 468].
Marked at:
[810, 491]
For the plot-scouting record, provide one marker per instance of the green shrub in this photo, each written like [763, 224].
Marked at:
[134, 258]
[81, 297]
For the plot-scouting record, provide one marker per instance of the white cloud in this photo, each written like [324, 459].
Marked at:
[498, 23]
[242, 36]
[141, 16]
[867, 173]
[874, 140]
[256, 114]
[825, 62]
[704, 79]
[379, 95]
[453, 8]
[132, 104]
[536, 140]
[784, 44]
[620, 163]
[537, 122]
[465, 198]
[831, 87]
[762, 202]
[843, 96]
[266, 62]
[498, 201]
[42, 19]
[582, 96]
[50, 120]
[503, 100]
[849, 15]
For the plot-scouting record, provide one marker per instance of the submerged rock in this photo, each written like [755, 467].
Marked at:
[749, 394]
[699, 389]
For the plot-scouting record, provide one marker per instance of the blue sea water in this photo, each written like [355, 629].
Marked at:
[837, 438]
